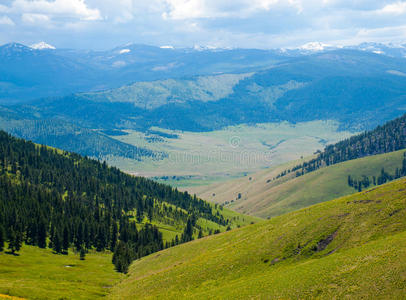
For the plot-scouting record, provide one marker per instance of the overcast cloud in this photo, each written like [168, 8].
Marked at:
[102, 24]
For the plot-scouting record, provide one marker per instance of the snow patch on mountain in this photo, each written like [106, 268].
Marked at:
[42, 46]
[315, 46]
[167, 47]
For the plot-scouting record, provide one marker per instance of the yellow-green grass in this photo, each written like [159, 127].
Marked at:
[352, 247]
[39, 274]
[205, 157]
[170, 228]
[261, 196]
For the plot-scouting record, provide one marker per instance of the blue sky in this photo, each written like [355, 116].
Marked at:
[103, 24]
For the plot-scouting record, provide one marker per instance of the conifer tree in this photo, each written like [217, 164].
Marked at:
[82, 253]
[2, 238]
[65, 240]
[42, 235]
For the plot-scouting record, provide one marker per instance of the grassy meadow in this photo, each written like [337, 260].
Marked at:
[201, 158]
[352, 247]
[39, 274]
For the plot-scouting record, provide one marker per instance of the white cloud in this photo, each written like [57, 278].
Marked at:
[184, 23]
[74, 9]
[397, 8]
[35, 18]
[195, 9]
[4, 8]
[4, 20]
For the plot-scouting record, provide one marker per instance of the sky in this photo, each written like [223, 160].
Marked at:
[105, 24]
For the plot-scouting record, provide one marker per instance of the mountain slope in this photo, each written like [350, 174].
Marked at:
[61, 200]
[349, 247]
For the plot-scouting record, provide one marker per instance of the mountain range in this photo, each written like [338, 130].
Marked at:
[57, 72]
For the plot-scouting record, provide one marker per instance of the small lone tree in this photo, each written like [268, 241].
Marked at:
[82, 253]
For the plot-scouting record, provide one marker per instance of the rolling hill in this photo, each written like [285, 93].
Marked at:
[261, 194]
[349, 247]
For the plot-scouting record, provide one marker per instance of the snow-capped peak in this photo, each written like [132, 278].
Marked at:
[123, 51]
[42, 46]
[314, 46]
[167, 47]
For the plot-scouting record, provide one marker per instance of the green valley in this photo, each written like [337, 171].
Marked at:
[199, 158]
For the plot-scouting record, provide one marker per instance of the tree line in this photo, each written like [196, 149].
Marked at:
[383, 139]
[366, 181]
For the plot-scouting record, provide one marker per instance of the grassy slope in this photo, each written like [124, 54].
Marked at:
[262, 198]
[277, 258]
[169, 231]
[38, 274]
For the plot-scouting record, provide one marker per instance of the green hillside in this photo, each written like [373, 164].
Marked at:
[264, 196]
[69, 203]
[352, 247]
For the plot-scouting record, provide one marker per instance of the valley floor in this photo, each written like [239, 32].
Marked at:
[201, 158]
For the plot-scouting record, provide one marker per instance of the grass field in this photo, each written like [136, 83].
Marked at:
[201, 158]
[170, 231]
[39, 274]
[264, 197]
[352, 247]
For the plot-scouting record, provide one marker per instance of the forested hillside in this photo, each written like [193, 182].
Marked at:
[63, 200]
[387, 138]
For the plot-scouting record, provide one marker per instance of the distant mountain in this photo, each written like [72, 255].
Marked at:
[391, 50]
[384, 49]
[41, 70]
[359, 89]
[28, 73]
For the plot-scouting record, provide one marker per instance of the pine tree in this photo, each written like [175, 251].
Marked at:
[2, 238]
[114, 236]
[122, 257]
[65, 240]
[42, 235]
[82, 253]
[57, 242]
[15, 241]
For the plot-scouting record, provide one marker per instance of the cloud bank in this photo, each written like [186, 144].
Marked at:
[103, 24]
